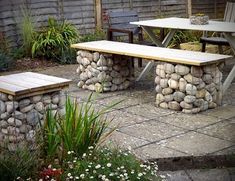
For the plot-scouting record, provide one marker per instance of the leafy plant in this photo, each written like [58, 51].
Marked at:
[97, 35]
[23, 163]
[184, 36]
[54, 40]
[106, 164]
[81, 126]
[5, 61]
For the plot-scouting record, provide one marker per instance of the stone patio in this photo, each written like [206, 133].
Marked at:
[154, 133]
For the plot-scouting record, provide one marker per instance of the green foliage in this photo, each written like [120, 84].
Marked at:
[183, 37]
[53, 41]
[23, 163]
[27, 31]
[17, 53]
[81, 126]
[106, 164]
[5, 61]
[97, 35]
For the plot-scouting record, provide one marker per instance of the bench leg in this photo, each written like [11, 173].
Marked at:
[229, 79]
[203, 47]
[146, 70]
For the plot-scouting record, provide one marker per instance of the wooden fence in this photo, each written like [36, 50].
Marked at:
[86, 15]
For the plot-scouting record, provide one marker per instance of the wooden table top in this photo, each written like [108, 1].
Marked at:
[21, 84]
[184, 24]
[152, 53]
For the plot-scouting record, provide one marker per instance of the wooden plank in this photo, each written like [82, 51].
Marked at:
[152, 53]
[98, 13]
[184, 24]
[28, 82]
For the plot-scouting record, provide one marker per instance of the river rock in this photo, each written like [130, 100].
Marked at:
[178, 96]
[168, 98]
[117, 80]
[175, 76]
[196, 71]
[174, 105]
[191, 111]
[11, 106]
[201, 93]
[208, 97]
[163, 105]
[27, 108]
[3, 97]
[158, 89]
[164, 83]
[182, 84]
[157, 80]
[169, 68]
[159, 99]
[96, 56]
[14, 122]
[207, 78]
[36, 99]
[2, 107]
[85, 61]
[167, 91]
[191, 89]
[32, 117]
[173, 84]
[193, 80]
[189, 99]
[185, 105]
[102, 61]
[18, 115]
[181, 69]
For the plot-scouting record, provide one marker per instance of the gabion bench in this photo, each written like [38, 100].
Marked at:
[185, 81]
[24, 97]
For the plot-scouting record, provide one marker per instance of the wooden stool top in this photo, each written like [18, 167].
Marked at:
[30, 84]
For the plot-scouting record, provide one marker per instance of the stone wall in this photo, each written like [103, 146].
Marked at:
[103, 72]
[189, 89]
[20, 119]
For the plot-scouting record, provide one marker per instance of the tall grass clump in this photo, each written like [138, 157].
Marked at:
[53, 41]
[81, 126]
[22, 163]
[27, 28]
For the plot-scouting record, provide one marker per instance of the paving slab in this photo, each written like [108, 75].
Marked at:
[148, 110]
[223, 112]
[124, 101]
[197, 144]
[226, 151]
[155, 151]
[124, 141]
[152, 130]
[223, 130]
[187, 121]
[180, 175]
[123, 119]
[209, 175]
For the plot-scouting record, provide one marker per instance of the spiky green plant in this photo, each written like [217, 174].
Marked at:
[27, 28]
[81, 126]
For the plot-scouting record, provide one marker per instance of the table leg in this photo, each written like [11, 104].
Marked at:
[165, 43]
[231, 74]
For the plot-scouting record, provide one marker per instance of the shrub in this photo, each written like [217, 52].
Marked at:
[97, 35]
[23, 163]
[5, 61]
[53, 41]
[106, 164]
[81, 126]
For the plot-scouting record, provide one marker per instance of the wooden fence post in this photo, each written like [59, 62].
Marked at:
[98, 13]
[189, 3]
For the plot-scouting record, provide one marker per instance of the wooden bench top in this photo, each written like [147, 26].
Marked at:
[29, 83]
[152, 53]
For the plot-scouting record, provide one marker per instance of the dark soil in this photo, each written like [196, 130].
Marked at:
[29, 64]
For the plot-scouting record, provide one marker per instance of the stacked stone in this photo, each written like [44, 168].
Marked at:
[100, 72]
[189, 89]
[20, 119]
